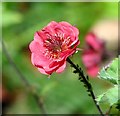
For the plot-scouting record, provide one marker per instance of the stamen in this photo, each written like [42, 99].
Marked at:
[56, 44]
[47, 41]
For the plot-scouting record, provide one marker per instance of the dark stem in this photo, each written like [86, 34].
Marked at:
[87, 84]
[24, 80]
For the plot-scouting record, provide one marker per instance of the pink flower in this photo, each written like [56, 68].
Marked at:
[93, 54]
[52, 45]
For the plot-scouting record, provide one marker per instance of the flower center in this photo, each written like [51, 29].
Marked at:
[55, 45]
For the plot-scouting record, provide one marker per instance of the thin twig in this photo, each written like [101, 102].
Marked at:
[24, 80]
[88, 85]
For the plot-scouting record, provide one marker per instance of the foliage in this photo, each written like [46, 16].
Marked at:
[110, 96]
[61, 94]
[110, 74]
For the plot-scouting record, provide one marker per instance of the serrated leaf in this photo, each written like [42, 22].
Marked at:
[111, 96]
[111, 73]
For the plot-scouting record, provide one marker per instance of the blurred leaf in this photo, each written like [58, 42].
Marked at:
[9, 17]
[111, 73]
[111, 96]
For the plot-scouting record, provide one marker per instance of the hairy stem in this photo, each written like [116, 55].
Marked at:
[24, 80]
[87, 84]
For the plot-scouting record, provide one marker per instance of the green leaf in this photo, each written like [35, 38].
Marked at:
[110, 74]
[111, 96]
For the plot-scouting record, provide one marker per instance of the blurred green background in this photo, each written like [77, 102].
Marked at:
[62, 93]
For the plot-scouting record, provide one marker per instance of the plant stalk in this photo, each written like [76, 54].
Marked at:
[87, 83]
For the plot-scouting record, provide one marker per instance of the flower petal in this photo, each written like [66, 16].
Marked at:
[91, 58]
[55, 39]
[61, 69]
[52, 24]
[42, 71]
[93, 42]
[72, 31]
[93, 71]
[39, 37]
[36, 47]
[50, 28]
[39, 60]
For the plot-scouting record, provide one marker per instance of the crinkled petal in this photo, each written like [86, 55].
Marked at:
[69, 26]
[72, 31]
[39, 37]
[52, 24]
[36, 47]
[50, 28]
[62, 68]
[69, 52]
[48, 68]
[64, 23]
[62, 30]
[39, 60]
[42, 71]
[55, 66]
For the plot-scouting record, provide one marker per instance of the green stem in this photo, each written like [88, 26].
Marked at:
[87, 84]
